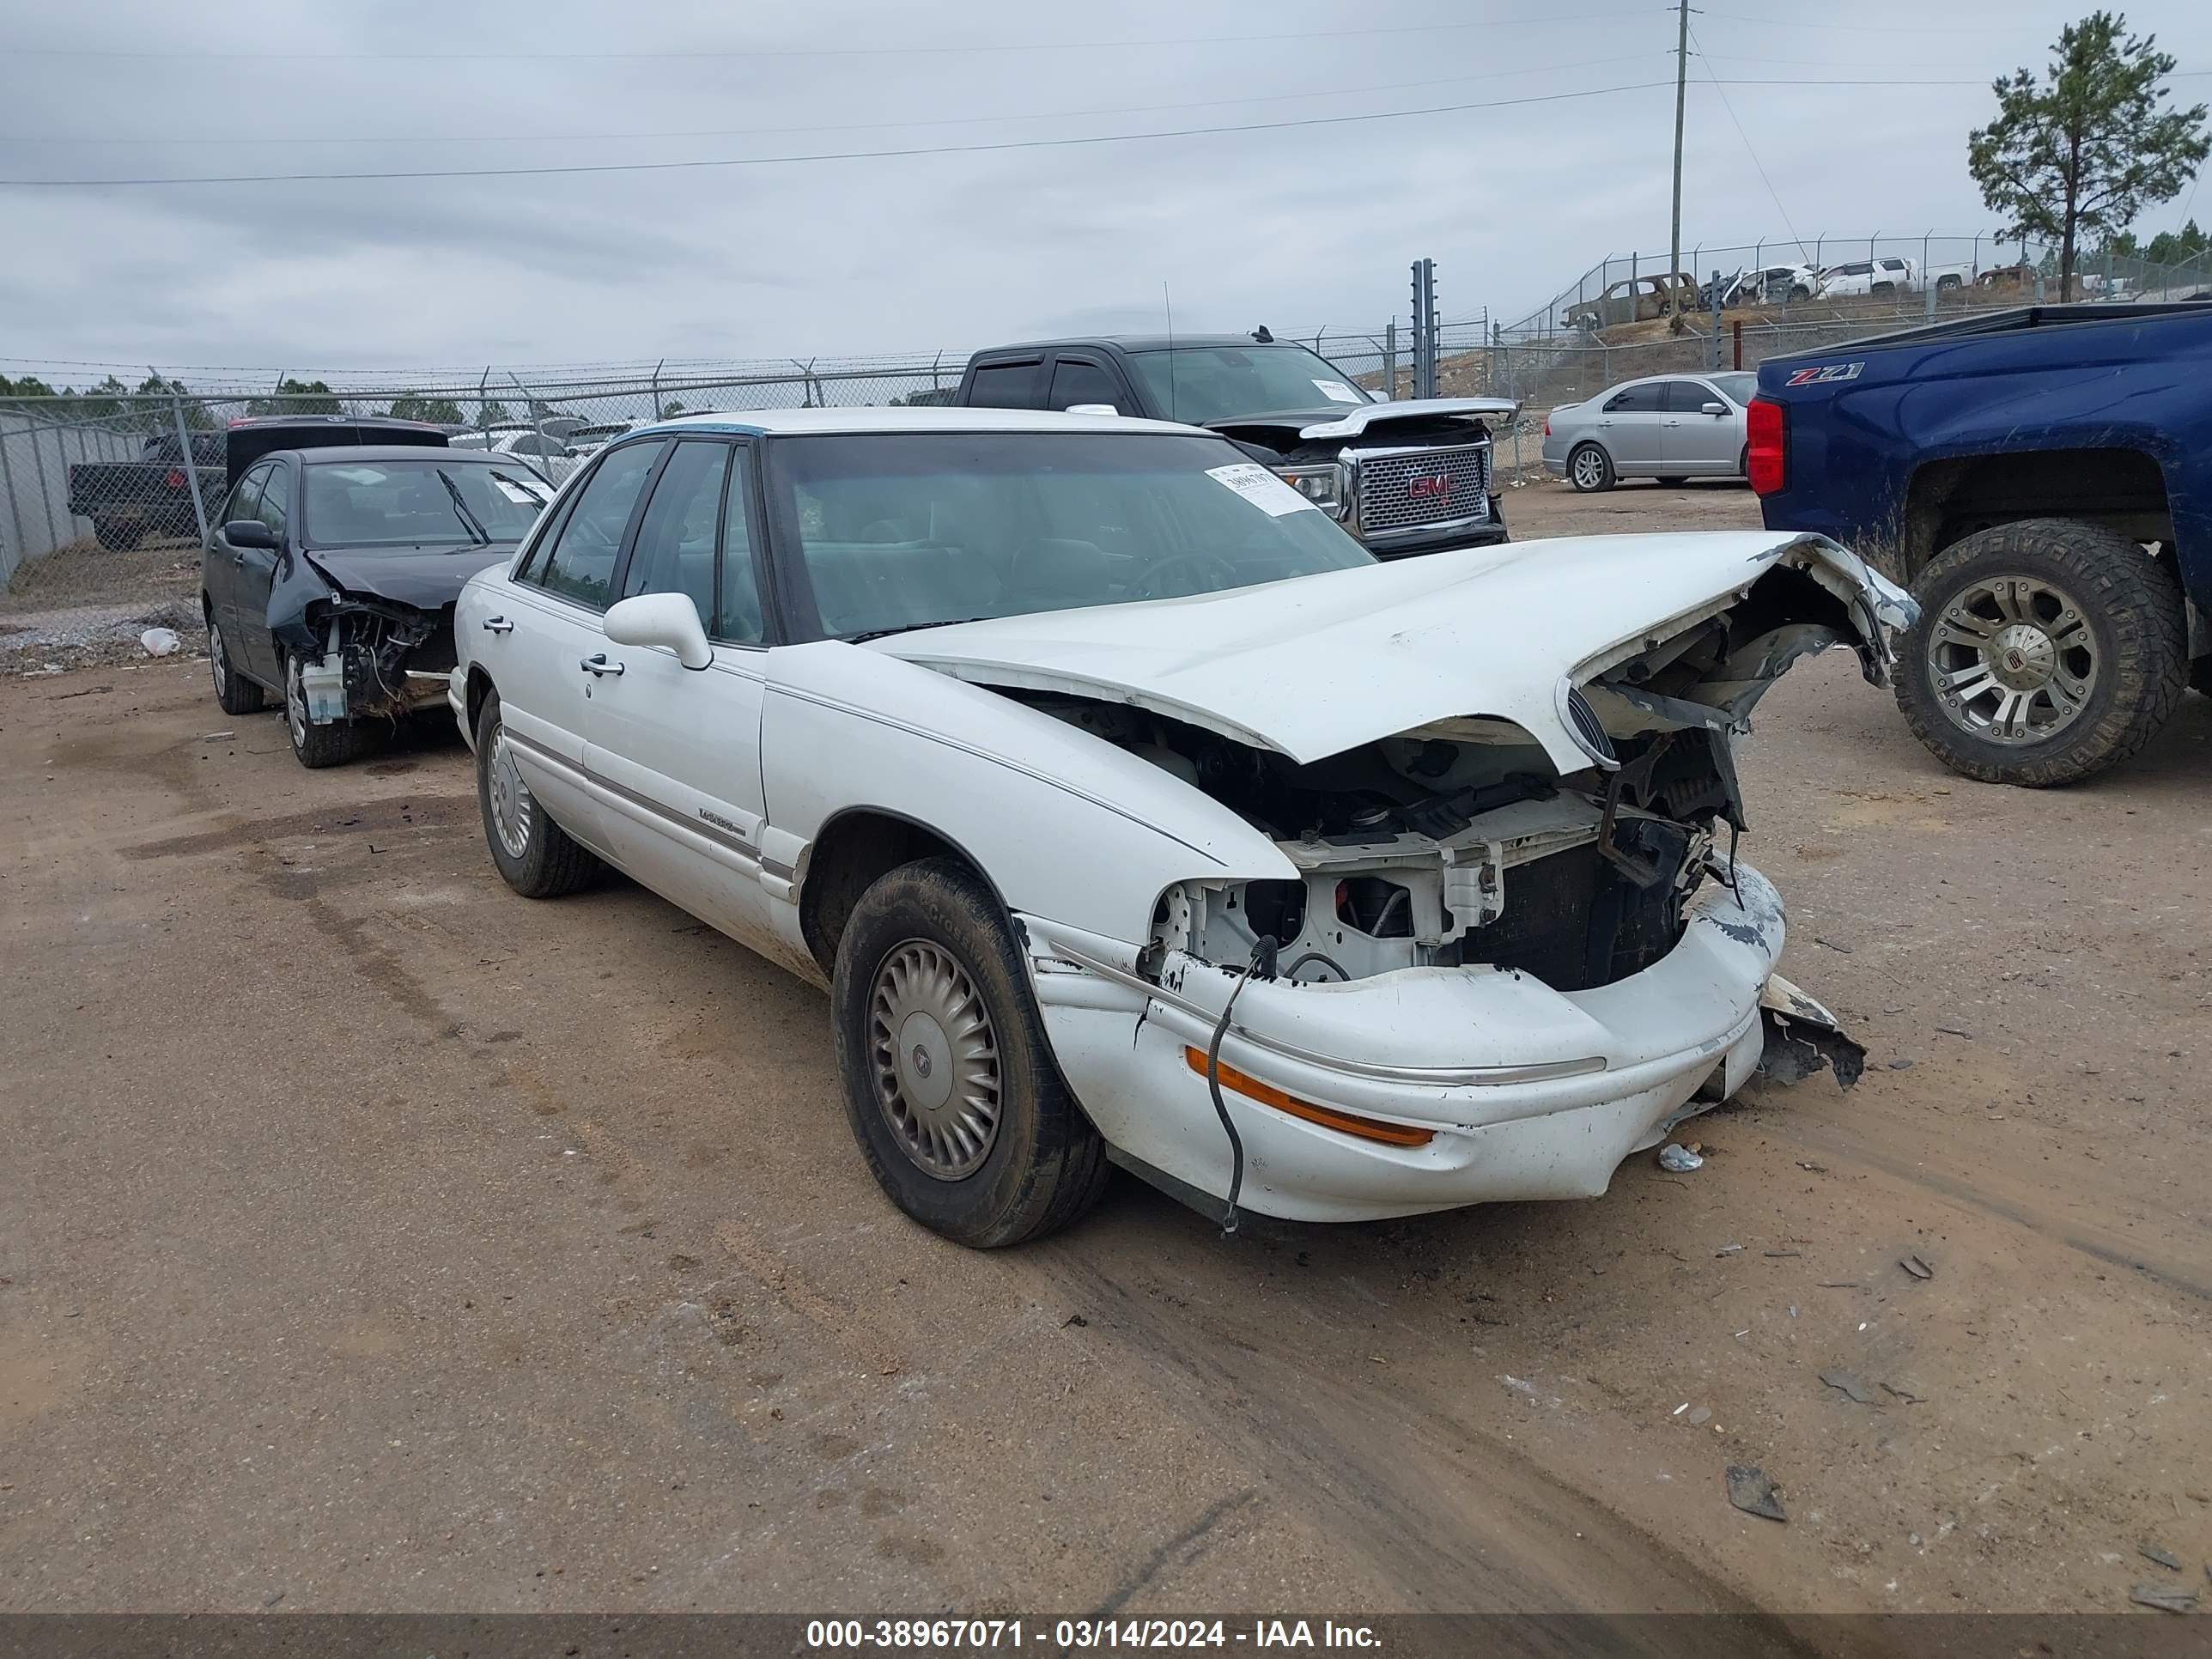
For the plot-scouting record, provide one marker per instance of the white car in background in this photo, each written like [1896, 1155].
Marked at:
[545, 451]
[1668, 426]
[1130, 812]
[587, 440]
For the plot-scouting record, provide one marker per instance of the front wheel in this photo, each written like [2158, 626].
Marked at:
[950, 1082]
[1589, 468]
[314, 745]
[537, 856]
[2046, 650]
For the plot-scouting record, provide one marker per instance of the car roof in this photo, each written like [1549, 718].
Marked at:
[339, 454]
[1146, 343]
[772, 422]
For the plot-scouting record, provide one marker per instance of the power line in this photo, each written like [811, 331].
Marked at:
[839, 155]
[1244, 40]
[1748, 149]
[1915, 28]
[928, 149]
[842, 126]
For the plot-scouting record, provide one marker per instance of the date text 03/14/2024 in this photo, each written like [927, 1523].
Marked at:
[979, 1635]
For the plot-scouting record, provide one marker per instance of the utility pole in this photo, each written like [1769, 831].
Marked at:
[1681, 87]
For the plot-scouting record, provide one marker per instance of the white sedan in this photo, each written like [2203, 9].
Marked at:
[1131, 813]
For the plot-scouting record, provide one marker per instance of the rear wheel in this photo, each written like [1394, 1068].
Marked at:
[1589, 468]
[537, 856]
[2046, 650]
[950, 1082]
[237, 694]
[316, 745]
[117, 535]
[1743, 462]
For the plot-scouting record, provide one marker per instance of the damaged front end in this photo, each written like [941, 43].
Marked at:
[363, 658]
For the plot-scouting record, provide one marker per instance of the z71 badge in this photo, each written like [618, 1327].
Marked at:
[1825, 374]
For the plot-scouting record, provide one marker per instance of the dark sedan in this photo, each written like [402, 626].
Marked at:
[330, 578]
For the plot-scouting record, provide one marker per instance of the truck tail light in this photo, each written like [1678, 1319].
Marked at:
[1768, 425]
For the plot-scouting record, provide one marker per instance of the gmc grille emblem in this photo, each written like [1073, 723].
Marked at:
[1436, 486]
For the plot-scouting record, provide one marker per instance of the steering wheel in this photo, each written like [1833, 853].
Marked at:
[1212, 572]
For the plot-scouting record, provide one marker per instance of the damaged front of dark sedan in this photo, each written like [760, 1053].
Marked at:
[329, 578]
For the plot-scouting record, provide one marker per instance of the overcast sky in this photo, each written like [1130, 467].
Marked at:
[1296, 227]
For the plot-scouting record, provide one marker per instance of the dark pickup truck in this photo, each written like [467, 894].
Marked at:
[129, 500]
[2042, 478]
[1404, 477]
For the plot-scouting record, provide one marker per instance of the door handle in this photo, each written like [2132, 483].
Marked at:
[238, 558]
[497, 625]
[598, 666]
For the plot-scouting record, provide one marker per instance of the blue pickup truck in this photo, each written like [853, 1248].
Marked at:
[2042, 478]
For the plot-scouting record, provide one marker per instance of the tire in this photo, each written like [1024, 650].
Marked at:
[1944, 284]
[237, 694]
[1589, 468]
[931, 936]
[1799, 291]
[315, 746]
[1883, 289]
[538, 858]
[118, 536]
[2115, 653]
[2200, 675]
[1743, 463]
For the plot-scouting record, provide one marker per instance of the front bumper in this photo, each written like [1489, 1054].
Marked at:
[1530, 1093]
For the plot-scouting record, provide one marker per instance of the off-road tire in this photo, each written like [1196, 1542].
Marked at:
[1606, 477]
[2200, 674]
[237, 694]
[117, 536]
[315, 744]
[552, 862]
[1047, 1164]
[2136, 614]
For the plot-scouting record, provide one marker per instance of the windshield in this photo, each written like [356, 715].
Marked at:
[914, 529]
[1199, 383]
[1739, 389]
[410, 503]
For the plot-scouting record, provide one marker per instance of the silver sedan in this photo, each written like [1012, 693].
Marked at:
[1669, 426]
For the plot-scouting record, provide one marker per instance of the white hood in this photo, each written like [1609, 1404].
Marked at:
[1357, 421]
[1315, 666]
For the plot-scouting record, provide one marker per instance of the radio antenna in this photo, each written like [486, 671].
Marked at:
[1167, 306]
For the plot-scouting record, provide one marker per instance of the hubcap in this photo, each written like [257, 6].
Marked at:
[1587, 470]
[2012, 659]
[295, 703]
[511, 804]
[215, 659]
[934, 1059]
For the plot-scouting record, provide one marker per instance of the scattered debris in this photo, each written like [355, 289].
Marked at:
[1900, 1065]
[1918, 1267]
[2166, 1558]
[1812, 1168]
[2167, 1598]
[1844, 1382]
[1840, 950]
[1728, 1249]
[1953, 1030]
[1076, 1320]
[1776, 1255]
[1840, 1284]
[1526, 1390]
[1906, 1394]
[1750, 1491]
[1701, 1416]
[161, 641]
[209, 737]
[272, 1600]
[1679, 1160]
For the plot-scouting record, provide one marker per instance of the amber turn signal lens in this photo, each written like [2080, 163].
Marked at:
[1366, 1128]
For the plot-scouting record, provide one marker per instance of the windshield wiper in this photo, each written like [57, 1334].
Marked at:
[462, 508]
[909, 628]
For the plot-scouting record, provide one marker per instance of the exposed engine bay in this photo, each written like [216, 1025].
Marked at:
[364, 657]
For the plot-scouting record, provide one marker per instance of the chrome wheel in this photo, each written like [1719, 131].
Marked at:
[216, 663]
[512, 807]
[295, 703]
[934, 1059]
[2012, 659]
[1589, 468]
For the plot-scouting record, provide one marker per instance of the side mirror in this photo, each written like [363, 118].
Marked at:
[1092, 409]
[250, 532]
[664, 619]
[1715, 409]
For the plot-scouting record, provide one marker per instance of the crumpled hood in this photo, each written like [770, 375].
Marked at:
[1318, 665]
[428, 578]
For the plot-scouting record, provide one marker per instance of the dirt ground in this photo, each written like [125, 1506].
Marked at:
[371, 1238]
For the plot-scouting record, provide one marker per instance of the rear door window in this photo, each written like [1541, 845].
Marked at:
[581, 562]
[1636, 400]
[1008, 386]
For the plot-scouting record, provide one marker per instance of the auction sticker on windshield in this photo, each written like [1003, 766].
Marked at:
[1261, 488]
[1337, 392]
